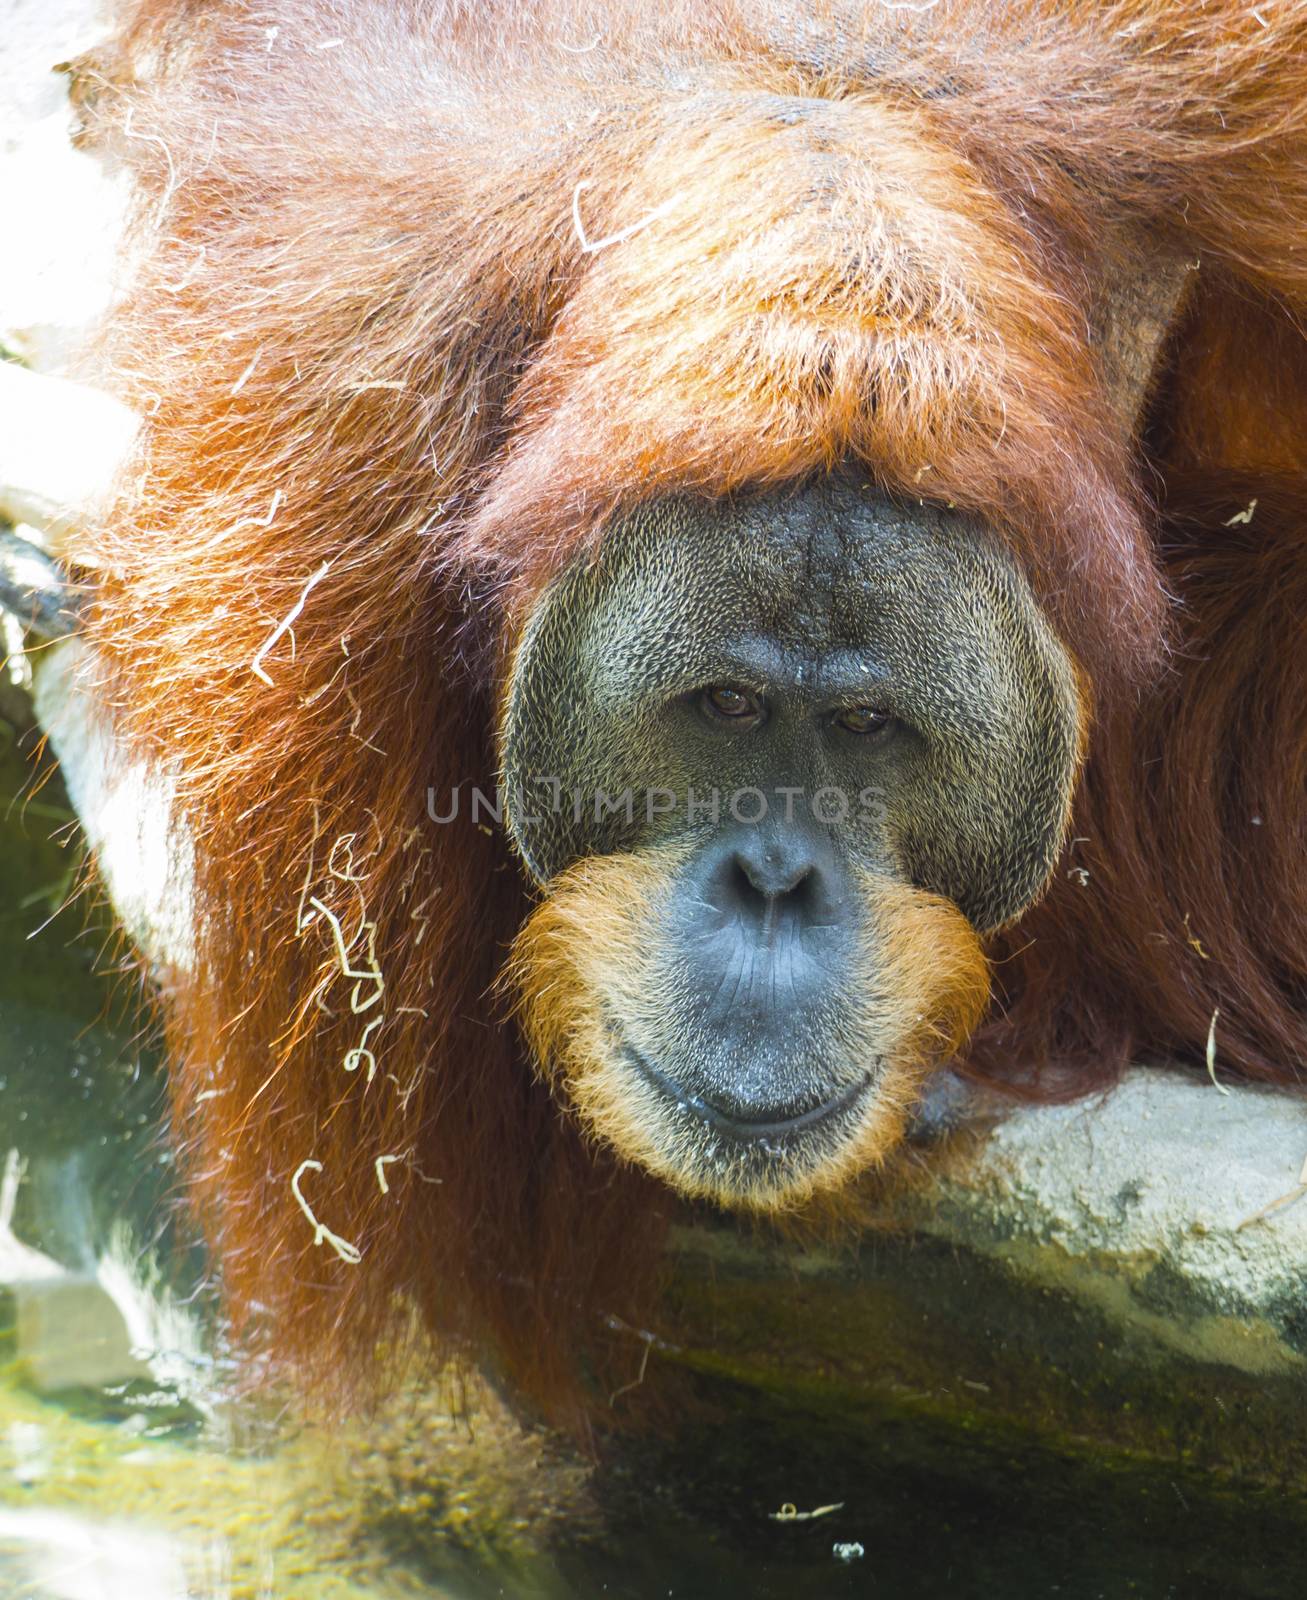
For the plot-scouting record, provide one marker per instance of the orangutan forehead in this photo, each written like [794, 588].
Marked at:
[824, 569]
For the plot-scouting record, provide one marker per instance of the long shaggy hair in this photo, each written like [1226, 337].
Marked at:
[422, 294]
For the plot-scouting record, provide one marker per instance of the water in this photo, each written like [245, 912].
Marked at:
[128, 1468]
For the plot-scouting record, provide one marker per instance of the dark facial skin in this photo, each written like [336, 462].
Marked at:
[804, 694]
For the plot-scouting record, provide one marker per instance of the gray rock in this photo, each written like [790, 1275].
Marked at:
[1111, 1275]
[1151, 1204]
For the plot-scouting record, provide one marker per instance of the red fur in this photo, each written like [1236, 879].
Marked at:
[366, 332]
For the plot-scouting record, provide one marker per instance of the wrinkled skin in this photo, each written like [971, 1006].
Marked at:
[777, 764]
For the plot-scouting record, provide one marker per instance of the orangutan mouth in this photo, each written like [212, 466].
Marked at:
[777, 1123]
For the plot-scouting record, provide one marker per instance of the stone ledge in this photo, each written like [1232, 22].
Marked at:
[1087, 1273]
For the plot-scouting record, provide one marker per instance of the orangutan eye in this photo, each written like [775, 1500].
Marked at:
[726, 703]
[862, 719]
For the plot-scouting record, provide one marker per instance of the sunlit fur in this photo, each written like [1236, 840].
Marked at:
[594, 971]
[362, 328]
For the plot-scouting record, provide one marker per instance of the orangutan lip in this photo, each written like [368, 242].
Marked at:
[745, 1129]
